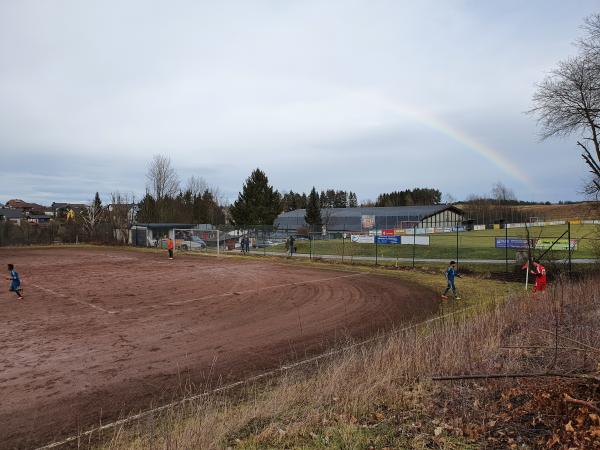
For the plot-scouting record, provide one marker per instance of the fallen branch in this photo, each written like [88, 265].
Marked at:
[595, 378]
[544, 347]
[575, 401]
[501, 375]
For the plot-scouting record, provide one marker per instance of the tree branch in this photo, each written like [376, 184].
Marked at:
[575, 401]
[514, 375]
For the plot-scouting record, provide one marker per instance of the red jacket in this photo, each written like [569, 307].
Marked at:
[540, 274]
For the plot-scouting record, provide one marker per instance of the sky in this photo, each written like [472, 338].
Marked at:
[366, 96]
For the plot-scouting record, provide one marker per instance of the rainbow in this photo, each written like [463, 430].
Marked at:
[494, 156]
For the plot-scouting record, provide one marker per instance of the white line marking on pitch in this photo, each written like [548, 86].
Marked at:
[269, 373]
[250, 291]
[58, 294]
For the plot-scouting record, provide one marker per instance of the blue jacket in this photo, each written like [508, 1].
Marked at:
[451, 273]
[16, 281]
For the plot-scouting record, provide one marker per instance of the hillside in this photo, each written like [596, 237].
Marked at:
[584, 210]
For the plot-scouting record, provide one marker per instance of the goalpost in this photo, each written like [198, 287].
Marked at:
[194, 240]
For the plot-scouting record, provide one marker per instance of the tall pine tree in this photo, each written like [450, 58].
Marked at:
[352, 200]
[147, 211]
[257, 204]
[313, 211]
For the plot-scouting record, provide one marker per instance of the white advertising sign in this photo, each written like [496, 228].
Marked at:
[416, 240]
[360, 239]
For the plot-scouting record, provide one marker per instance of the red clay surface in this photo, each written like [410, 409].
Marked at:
[102, 333]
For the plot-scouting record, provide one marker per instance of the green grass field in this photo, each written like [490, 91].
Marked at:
[471, 244]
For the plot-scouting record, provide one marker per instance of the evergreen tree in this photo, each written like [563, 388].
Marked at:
[352, 200]
[147, 210]
[97, 203]
[214, 212]
[313, 211]
[291, 201]
[257, 204]
[417, 196]
[304, 201]
[340, 199]
[322, 200]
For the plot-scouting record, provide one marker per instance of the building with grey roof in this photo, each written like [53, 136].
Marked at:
[14, 215]
[368, 218]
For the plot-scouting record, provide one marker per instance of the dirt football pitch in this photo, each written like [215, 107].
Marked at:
[103, 333]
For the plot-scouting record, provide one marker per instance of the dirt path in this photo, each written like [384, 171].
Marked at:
[103, 333]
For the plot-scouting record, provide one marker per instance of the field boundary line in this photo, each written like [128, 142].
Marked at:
[68, 297]
[249, 291]
[267, 374]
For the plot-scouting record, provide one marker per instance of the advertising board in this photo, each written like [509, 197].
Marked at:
[388, 240]
[561, 244]
[360, 239]
[514, 243]
[415, 240]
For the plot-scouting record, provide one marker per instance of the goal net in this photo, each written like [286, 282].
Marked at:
[191, 240]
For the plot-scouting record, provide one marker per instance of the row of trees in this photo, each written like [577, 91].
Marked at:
[167, 202]
[329, 198]
[408, 197]
[259, 203]
[103, 223]
[185, 207]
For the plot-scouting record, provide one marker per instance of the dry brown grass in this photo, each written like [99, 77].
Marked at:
[583, 210]
[381, 395]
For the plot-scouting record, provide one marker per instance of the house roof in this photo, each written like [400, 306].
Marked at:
[171, 225]
[422, 211]
[21, 204]
[9, 213]
[38, 216]
[56, 205]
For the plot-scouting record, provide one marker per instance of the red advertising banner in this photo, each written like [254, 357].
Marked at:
[387, 232]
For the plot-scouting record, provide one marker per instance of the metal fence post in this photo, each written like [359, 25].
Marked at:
[376, 248]
[506, 246]
[414, 244]
[456, 244]
[569, 244]
[397, 247]
[343, 243]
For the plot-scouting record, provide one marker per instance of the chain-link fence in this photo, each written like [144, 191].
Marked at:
[565, 247]
[500, 250]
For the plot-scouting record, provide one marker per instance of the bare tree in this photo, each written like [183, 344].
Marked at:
[590, 44]
[449, 198]
[196, 185]
[92, 215]
[162, 178]
[122, 215]
[568, 100]
[217, 195]
[502, 194]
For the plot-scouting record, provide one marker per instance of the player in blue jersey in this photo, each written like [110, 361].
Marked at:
[15, 281]
[451, 273]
